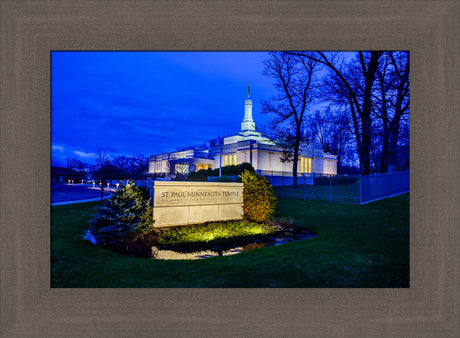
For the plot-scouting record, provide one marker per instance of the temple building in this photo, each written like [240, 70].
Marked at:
[246, 146]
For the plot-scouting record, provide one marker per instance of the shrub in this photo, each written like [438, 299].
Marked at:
[124, 219]
[215, 236]
[198, 176]
[245, 166]
[229, 170]
[259, 199]
[287, 223]
[223, 179]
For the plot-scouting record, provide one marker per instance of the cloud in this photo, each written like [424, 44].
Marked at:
[85, 155]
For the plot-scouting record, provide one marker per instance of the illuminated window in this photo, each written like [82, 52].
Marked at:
[230, 159]
[181, 168]
[305, 165]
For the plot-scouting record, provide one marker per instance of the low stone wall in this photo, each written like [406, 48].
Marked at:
[180, 203]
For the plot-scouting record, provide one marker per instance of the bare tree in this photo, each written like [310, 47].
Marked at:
[332, 131]
[103, 171]
[399, 102]
[102, 159]
[354, 84]
[74, 163]
[122, 163]
[382, 112]
[141, 165]
[294, 80]
[132, 167]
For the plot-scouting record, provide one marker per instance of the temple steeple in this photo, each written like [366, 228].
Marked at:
[248, 123]
[248, 127]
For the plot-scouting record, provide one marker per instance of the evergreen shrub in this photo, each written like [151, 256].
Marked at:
[124, 222]
[259, 198]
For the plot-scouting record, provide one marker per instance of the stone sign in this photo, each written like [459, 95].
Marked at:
[181, 203]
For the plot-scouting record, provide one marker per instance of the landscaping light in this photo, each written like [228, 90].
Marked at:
[108, 185]
[94, 183]
[117, 185]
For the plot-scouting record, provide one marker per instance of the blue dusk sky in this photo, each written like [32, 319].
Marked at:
[146, 103]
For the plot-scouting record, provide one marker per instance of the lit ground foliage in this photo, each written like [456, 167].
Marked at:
[357, 246]
[215, 236]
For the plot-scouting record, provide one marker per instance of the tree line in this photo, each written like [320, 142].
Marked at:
[364, 106]
[121, 167]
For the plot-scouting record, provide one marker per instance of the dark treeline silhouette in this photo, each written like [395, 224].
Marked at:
[121, 167]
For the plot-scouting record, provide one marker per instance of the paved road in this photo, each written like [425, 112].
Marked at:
[76, 193]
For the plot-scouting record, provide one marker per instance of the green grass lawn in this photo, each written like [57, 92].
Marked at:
[357, 246]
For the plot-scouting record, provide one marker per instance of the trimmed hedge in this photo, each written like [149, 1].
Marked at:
[199, 176]
[229, 170]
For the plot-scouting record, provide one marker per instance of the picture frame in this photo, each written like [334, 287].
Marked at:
[30, 30]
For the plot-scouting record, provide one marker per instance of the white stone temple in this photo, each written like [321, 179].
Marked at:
[246, 146]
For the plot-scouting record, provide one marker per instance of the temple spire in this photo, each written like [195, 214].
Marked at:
[248, 123]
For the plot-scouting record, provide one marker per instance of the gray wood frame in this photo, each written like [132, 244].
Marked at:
[31, 29]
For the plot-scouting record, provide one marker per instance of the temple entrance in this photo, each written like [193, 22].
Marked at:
[199, 166]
